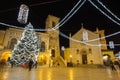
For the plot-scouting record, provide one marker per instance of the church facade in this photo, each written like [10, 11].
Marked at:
[84, 51]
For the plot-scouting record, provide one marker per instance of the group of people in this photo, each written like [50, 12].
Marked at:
[32, 63]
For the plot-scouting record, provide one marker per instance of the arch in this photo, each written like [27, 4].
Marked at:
[42, 59]
[6, 55]
[107, 55]
[84, 58]
[53, 24]
[12, 43]
[53, 52]
[106, 59]
[42, 47]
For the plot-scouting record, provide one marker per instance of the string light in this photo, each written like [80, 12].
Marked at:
[108, 10]
[67, 37]
[62, 21]
[69, 15]
[104, 13]
[113, 34]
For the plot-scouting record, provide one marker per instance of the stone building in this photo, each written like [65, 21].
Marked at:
[85, 47]
[84, 52]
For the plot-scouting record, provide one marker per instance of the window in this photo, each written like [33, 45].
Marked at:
[77, 51]
[12, 43]
[42, 48]
[53, 24]
[53, 53]
[90, 50]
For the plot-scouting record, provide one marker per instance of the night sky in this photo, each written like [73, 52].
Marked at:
[87, 14]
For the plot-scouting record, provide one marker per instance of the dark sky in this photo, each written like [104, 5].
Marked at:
[87, 14]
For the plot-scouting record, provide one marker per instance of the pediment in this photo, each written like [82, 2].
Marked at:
[79, 35]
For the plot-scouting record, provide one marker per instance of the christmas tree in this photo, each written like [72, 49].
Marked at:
[26, 48]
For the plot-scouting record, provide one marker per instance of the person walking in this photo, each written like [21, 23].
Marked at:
[30, 65]
[112, 66]
[116, 64]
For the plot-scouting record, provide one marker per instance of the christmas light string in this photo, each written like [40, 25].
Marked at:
[103, 12]
[67, 37]
[86, 42]
[49, 30]
[108, 9]
[69, 15]
[61, 22]
[78, 8]
[104, 36]
[45, 30]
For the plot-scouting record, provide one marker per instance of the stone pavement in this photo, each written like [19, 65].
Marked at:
[45, 73]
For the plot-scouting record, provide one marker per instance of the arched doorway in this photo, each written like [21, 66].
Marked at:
[84, 59]
[5, 56]
[106, 59]
[42, 46]
[84, 56]
[42, 59]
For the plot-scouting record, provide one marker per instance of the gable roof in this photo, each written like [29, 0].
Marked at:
[90, 33]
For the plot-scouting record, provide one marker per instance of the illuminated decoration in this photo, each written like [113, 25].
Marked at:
[108, 9]
[105, 58]
[71, 13]
[111, 44]
[23, 14]
[62, 48]
[104, 13]
[67, 37]
[85, 36]
[26, 48]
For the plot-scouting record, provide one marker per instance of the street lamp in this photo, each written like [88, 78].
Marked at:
[70, 58]
[50, 55]
[50, 60]
[70, 64]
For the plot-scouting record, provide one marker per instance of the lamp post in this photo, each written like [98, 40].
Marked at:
[70, 58]
[50, 60]
[70, 64]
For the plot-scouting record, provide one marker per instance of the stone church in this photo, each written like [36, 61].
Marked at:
[85, 47]
[50, 45]
[86, 52]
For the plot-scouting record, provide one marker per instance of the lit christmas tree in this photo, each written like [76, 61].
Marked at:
[26, 48]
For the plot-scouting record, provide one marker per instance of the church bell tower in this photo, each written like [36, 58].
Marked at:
[54, 45]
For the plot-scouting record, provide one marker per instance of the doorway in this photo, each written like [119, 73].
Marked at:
[84, 59]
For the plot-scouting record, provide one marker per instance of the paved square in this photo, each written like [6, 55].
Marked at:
[45, 73]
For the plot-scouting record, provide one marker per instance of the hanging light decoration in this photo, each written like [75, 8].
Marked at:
[85, 36]
[23, 14]
[111, 44]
